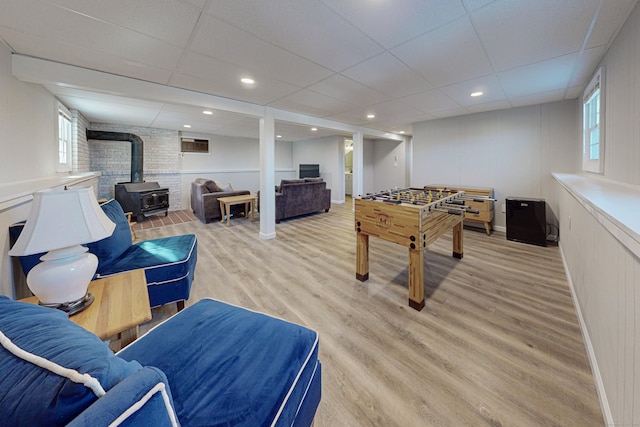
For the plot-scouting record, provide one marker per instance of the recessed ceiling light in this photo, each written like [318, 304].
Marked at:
[314, 129]
[401, 132]
[207, 112]
[478, 93]
[247, 80]
[371, 116]
[186, 126]
[278, 136]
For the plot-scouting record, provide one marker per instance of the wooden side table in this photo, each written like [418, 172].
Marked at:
[121, 304]
[226, 202]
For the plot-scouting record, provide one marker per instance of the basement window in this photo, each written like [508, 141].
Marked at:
[592, 125]
[64, 140]
[194, 145]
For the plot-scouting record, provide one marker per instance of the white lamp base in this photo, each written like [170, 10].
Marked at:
[63, 276]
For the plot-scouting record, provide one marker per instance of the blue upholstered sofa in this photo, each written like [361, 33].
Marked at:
[212, 364]
[169, 262]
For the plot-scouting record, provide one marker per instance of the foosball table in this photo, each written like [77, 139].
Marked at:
[411, 217]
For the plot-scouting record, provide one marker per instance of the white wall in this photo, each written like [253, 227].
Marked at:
[605, 274]
[233, 160]
[328, 152]
[389, 164]
[513, 151]
[622, 115]
[27, 114]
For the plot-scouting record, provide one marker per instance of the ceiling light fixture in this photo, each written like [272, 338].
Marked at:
[478, 93]
[314, 129]
[207, 112]
[186, 126]
[278, 136]
[371, 116]
[247, 80]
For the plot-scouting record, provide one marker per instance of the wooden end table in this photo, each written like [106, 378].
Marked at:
[226, 202]
[121, 304]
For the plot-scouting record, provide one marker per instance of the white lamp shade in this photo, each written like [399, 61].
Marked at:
[62, 218]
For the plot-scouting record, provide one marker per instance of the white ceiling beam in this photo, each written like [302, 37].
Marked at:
[45, 72]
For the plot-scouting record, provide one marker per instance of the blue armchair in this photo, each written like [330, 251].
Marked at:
[211, 364]
[169, 262]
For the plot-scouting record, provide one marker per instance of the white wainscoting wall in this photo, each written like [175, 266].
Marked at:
[600, 244]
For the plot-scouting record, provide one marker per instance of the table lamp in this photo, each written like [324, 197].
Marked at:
[59, 222]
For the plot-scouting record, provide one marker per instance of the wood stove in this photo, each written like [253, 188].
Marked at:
[142, 198]
[138, 197]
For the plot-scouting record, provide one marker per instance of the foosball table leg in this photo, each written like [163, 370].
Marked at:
[416, 278]
[362, 256]
[457, 241]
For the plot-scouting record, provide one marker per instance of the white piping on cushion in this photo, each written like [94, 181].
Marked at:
[160, 387]
[153, 267]
[306, 391]
[293, 385]
[71, 374]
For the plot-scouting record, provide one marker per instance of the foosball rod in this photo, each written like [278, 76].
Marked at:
[449, 207]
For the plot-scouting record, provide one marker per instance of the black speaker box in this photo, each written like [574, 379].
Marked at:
[527, 220]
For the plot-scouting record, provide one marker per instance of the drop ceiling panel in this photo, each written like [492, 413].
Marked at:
[42, 47]
[490, 86]
[541, 77]
[609, 20]
[450, 54]
[489, 106]
[295, 132]
[472, 5]
[220, 40]
[112, 111]
[341, 87]
[544, 28]
[209, 75]
[305, 27]
[430, 101]
[322, 56]
[220, 122]
[169, 20]
[45, 20]
[586, 65]
[537, 98]
[311, 103]
[443, 114]
[388, 75]
[391, 22]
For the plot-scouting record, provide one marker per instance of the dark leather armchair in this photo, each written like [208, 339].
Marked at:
[204, 199]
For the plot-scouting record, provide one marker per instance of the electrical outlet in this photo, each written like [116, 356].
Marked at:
[504, 208]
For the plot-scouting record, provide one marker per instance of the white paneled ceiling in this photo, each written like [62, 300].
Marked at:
[405, 61]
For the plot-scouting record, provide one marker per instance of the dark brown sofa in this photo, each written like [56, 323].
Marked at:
[296, 197]
[204, 199]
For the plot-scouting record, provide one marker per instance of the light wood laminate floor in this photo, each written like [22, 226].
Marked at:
[497, 344]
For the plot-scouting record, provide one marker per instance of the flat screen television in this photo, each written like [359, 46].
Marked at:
[309, 171]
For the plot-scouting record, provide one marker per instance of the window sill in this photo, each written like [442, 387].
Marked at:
[613, 204]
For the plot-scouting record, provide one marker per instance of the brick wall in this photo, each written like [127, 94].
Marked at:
[81, 154]
[161, 160]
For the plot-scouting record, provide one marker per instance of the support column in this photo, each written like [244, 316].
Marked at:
[267, 176]
[408, 161]
[358, 166]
